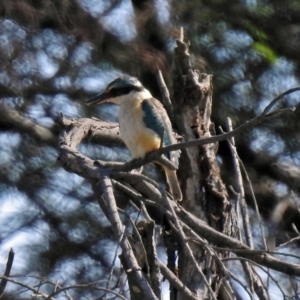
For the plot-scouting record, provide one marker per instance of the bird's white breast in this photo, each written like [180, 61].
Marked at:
[138, 138]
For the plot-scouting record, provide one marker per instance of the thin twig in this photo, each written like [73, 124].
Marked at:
[114, 260]
[276, 99]
[255, 203]
[256, 252]
[165, 94]
[177, 283]
[241, 191]
[139, 238]
[209, 249]
[9, 263]
[87, 286]
[154, 155]
[296, 239]
[107, 202]
[259, 266]
[186, 245]
[30, 288]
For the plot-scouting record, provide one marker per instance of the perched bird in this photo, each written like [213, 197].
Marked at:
[144, 123]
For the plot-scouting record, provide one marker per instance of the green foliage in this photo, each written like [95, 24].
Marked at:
[265, 51]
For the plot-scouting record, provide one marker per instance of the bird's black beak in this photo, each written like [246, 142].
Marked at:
[99, 99]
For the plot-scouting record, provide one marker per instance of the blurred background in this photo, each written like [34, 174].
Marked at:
[55, 54]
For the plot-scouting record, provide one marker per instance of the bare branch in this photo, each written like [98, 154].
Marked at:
[107, 202]
[279, 97]
[177, 283]
[30, 288]
[14, 119]
[186, 246]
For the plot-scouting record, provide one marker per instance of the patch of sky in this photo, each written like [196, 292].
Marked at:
[16, 221]
[237, 73]
[256, 230]
[48, 38]
[265, 140]
[25, 65]
[57, 104]
[62, 104]
[10, 33]
[109, 249]
[44, 100]
[239, 97]
[46, 122]
[65, 271]
[22, 243]
[48, 154]
[12, 102]
[57, 51]
[35, 162]
[287, 158]
[280, 189]
[279, 287]
[9, 26]
[37, 41]
[277, 79]
[79, 233]
[232, 44]
[107, 112]
[105, 153]
[229, 46]
[154, 172]
[171, 44]
[38, 114]
[163, 11]
[94, 79]
[220, 160]
[251, 56]
[15, 174]
[223, 54]
[250, 3]
[92, 209]
[5, 78]
[235, 267]
[83, 191]
[93, 272]
[13, 201]
[94, 7]
[62, 83]
[25, 83]
[204, 40]
[18, 84]
[47, 67]
[64, 181]
[237, 286]
[290, 249]
[51, 47]
[120, 21]
[9, 143]
[82, 54]
[16, 210]
[237, 39]
[89, 264]
[35, 111]
[56, 199]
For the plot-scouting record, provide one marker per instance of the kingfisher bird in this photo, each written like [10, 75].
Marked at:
[144, 123]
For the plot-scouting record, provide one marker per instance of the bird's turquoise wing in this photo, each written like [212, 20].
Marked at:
[156, 118]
